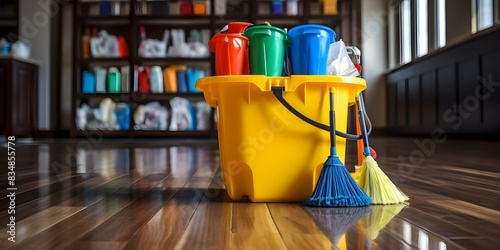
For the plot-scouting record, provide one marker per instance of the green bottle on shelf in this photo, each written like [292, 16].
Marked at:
[114, 80]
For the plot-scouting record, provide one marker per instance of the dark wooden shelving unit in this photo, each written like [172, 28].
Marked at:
[128, 24]
[172, 60]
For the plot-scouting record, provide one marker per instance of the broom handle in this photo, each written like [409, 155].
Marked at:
[363, 125]
[333, 142]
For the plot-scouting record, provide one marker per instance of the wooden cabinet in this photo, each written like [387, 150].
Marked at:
[18, 97]
[128, 18]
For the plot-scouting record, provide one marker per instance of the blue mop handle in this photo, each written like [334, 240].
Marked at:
[333, 143]
[363, 125]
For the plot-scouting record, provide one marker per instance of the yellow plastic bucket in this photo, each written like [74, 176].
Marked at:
[267, 153]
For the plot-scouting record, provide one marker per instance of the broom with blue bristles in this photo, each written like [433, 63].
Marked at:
[372, 179]
[335, 186]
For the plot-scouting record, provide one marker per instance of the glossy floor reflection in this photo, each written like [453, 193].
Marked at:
[168, 194]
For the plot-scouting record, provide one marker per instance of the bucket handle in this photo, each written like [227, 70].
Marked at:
[278, 93]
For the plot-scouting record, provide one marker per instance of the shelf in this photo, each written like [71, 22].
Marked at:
[102, 95]
[103, 60]
[150, 18]
[104, 20]
[330, 18]
[146, 97]
[296, 18]
[231, 18]
[173, 59]
[155, 133]
[102, 133]
[139, 97]
[142, 133]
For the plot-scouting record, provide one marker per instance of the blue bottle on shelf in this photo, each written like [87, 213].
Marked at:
[88, 82]
[181, 82]
[277, 7]
[192, 76]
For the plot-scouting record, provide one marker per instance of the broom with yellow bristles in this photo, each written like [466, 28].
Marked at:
[372, 179]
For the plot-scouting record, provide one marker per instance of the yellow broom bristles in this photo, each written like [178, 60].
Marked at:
[377, 185]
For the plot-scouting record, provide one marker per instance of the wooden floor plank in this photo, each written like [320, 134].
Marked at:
[37, 183]
[463, 207]
[82, 194]
[210, 225]
[149, 201]
[462, 216]
[253, 223]
[34, 224]
[69, 231]
[98, 245]
[44, 190]
[482, 173]
[412, 235]
[298, 228]
[434, 224]
[257, 240]
[252, 217]
[66, 232]
[165, 229]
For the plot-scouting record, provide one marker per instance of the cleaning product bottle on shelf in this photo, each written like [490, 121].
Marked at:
[114, 80]
[292, 7]
[122, 46]
[100, 80]
[277, 7]
[156, 79]
[88, 82]
[125, 75]
[86, 43]
[192, 76]
[144, 86]
[170, 78]
[181, 81]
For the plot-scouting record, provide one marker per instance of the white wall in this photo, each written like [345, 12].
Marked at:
[374, 59]
[34, 26]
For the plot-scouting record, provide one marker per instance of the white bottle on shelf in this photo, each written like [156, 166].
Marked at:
[125, 72]
[100, 80]
[156, 79]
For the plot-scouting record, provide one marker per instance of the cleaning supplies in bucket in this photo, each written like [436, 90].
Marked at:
[339, 62]
[230, 48]
[267, 45]
[310, 44]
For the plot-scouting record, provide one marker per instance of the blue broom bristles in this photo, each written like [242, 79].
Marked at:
[336, 187]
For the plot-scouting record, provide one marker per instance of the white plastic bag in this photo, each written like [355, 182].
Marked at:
[181, 117]
[339, 63]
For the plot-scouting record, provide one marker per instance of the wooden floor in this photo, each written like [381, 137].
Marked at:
[164, 194]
